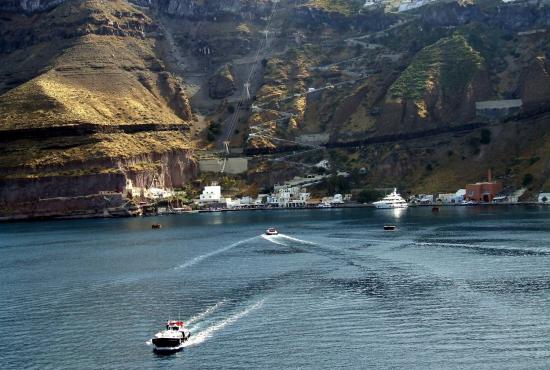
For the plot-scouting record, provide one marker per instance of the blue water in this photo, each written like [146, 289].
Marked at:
[465, 288]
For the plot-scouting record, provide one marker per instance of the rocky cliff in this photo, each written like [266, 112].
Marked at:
[86, 100]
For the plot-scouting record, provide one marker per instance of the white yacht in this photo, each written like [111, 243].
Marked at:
[393, 200]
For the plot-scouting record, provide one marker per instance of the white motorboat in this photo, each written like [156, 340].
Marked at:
[393, 200]
[271, 231]
[172, 338]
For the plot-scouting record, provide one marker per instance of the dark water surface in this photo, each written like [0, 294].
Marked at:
[465, 288]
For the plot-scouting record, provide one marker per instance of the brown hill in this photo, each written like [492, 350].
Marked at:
[91, 66]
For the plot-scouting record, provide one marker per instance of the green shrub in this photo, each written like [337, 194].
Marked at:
[368, 196]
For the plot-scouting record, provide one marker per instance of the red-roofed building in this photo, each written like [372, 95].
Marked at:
[483, 191]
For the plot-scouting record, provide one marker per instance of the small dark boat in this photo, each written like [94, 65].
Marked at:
[156, 226]
[390, 227]
[271, 231]
[435, 209]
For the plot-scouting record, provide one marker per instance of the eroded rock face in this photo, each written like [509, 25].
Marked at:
[91, 195]
[222, 84]
[536, 83]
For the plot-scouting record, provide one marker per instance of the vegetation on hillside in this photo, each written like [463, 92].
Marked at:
[346, 7]
[450, 63]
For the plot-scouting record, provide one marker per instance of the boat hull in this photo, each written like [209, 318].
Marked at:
[390, 206]
[168, 349]
[167, 345]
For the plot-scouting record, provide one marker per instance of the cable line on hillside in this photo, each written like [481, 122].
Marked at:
[245, 95]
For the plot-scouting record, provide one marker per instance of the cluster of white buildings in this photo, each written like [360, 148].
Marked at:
[289, 195]
[284, 196]
[442, 198]
[460, 197]
[154, 193]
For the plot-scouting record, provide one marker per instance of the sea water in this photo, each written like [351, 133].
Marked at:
[468, 287]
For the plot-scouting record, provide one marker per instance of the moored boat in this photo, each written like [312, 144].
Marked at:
[393, 200]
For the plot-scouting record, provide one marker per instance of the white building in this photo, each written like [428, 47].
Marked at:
[368, 4]
[425, 199]
[411, 4]
[324, 164]
[211, 194]
[284, 197]
[337, 199]
[158, 193]
[459, 196]
[233, 203]
[445, 198]
[544, 198]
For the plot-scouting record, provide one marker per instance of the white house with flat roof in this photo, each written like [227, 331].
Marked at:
[445, 198]
[211, 194]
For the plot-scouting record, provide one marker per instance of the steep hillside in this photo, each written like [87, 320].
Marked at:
[440, 86]
[414, 85]
[96, 93]
[94, 64]
[84, 94]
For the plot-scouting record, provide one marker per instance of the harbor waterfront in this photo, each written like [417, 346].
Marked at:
[466, 287]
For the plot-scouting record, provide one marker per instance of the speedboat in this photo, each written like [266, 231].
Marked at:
[172, 338]
[393, 200]
[271, 231]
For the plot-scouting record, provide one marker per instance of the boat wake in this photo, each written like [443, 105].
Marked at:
[202, 257]
[205, 334]
[489, 249]
[206, 312]
[284, 240]
[275, 239]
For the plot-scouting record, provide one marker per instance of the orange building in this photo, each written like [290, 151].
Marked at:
[483, 191]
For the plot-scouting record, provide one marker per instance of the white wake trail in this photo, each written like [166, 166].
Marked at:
[298, 240]
[205, 313]
[280, 238]
[198, 259]
[203, 335]
[275, 239]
